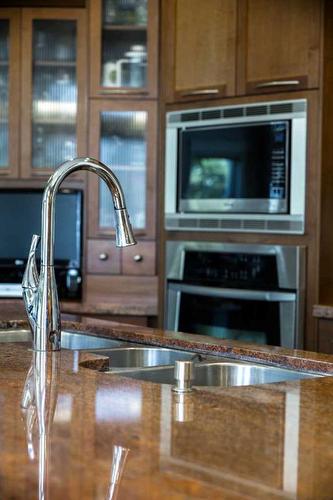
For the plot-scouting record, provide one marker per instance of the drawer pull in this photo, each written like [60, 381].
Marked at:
[200, 92]
[138, 258]
[103, 256]
[278, 83]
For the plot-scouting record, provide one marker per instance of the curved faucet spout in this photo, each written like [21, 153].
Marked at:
[40, 294]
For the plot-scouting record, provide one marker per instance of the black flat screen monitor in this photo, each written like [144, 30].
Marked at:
[20, 218]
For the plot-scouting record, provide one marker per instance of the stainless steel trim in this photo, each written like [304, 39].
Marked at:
[233, 293]
[291, 262]
[200, 92]
[287, 315]
[290, 274]
[277, 83]
[297, 166]
[246, 223]
[10, 290]
[184, 375]
[234, 205]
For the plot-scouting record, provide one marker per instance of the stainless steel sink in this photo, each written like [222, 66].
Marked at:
[141, 357]
[69, 340]
[222, 374]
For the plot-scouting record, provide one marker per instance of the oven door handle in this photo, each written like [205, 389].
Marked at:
[234, 293]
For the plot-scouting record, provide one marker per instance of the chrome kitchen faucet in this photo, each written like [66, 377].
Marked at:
[40, 291]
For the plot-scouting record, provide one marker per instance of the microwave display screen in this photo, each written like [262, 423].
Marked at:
[242, 167]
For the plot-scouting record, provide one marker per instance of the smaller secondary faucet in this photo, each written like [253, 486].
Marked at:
[40, 291]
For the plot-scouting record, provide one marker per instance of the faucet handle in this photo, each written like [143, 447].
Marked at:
[30, 277]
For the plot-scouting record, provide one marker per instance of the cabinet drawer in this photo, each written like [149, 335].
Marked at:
[103, 257]
[139, 259]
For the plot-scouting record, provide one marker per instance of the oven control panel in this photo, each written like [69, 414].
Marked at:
[239, 270]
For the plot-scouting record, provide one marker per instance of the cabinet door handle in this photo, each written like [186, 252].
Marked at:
[123, 91]
[103, 256]
[200, 92]
[138, 258]
[277, 83]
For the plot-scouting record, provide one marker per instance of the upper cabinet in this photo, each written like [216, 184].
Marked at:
[199, 48]
[279, 45]
[123, 47]
[225, 48]
[53, 88]
[9, 91]
[123, 135]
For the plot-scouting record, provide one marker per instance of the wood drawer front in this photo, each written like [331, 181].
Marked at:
[139, 259]
[103, 257]
[325, 336]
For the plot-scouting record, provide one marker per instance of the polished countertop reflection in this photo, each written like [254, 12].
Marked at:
[71, 432]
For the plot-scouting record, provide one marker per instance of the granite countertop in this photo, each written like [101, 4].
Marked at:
[265, 441]
[132, 306]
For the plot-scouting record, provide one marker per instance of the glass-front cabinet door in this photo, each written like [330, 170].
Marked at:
[53, 84]
[123, 136]
[9, 91]
[123, 46]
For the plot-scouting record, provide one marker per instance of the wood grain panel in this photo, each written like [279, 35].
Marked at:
[139, 259]
[280, 41]
[201, 40]
[29, 15]
[14, 18]
[325, 336]
[130, 290]
[103, 257]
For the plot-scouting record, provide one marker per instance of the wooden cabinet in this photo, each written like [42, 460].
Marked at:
[199, 48]
[223, 48]
[325, 336]
[124, 48]
[42, 89]
[53, 88]
[279, 45]
[9, 91]
[123, 135]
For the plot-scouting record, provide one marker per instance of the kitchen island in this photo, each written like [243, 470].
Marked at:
[109, 436]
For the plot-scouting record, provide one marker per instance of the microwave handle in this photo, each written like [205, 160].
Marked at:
[277, 83]
[234, 293]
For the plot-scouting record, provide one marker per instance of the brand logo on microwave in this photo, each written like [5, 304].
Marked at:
[228, 204]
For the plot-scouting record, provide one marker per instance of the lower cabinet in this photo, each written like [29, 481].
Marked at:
[325, 336]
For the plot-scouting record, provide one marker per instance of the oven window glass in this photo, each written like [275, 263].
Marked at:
[237, 319]
[247, 161]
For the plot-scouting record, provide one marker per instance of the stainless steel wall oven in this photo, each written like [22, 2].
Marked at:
[251, 293]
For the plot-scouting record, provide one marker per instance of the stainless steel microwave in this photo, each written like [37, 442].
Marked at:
[238, 168]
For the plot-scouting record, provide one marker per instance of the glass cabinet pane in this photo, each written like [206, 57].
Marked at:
[4, 68]
[123, 147]
[54, 106]
[124, 43]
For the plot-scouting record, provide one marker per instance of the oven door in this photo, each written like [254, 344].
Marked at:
[253, 316]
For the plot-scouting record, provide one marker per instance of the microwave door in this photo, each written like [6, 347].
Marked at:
[236, 168]
[277, 328]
